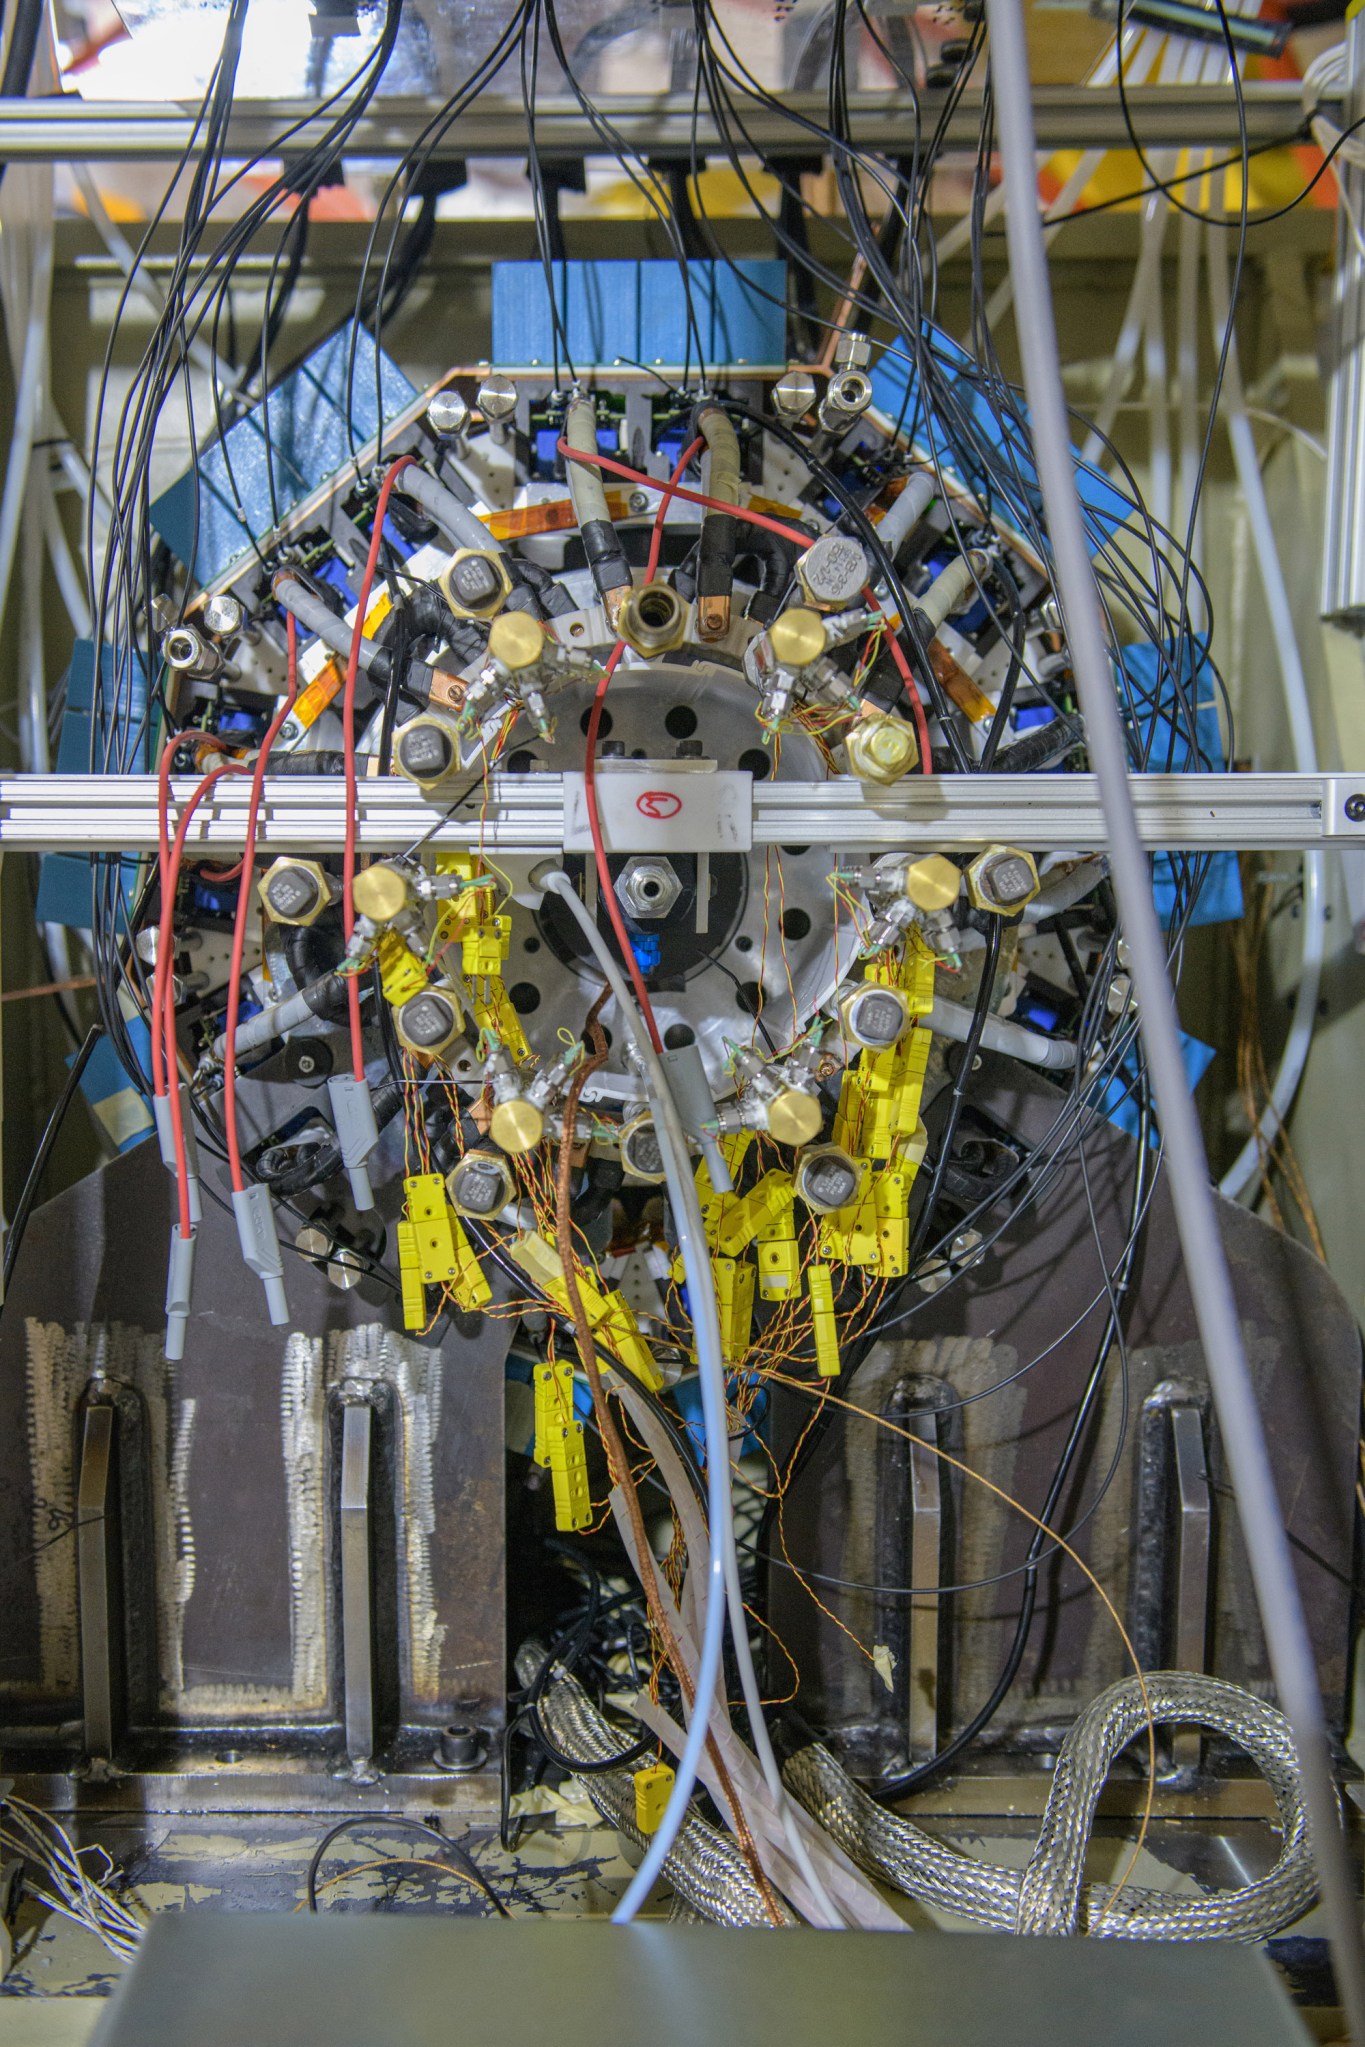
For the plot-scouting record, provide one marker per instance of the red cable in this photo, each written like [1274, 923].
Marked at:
[163, 995]
[916, 706]
[234, 994]
[605, 888]
[348, 743]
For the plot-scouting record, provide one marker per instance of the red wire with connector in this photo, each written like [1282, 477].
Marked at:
[605, 889]
[348, 744]
[916, 706]
[234, 990]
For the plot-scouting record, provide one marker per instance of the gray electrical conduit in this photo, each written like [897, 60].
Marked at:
[954, 1020]
[1290, 1652]
[1049, 1896]
[704, 1866]
[455, 519]
[1246, 1166]
[323, 623]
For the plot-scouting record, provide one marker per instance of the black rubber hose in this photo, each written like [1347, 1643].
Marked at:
[325, 1161]
[772, 558]
[319, 761]
[313, 951]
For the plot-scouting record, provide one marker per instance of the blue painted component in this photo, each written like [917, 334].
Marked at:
[1029, 716]
[1168, 752]
[638, 312]
[976, 431]
[1117, 1103]
[104, 1079]
[64, 879]
[296, 439]
[647, 947]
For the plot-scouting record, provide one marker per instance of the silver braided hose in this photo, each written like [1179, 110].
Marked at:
[1048, 1896]
[706, 1870]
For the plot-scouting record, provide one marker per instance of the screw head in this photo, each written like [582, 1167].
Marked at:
[223, 614]
[294, 891]
[1355, 808]
[474, 580]
[447, 414]
[832, 571]
[793, 395]
[497, 396]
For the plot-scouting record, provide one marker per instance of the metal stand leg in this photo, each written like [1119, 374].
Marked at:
[357, 1615]
[926, 1568]
[1192, 1564]
[99, 1573]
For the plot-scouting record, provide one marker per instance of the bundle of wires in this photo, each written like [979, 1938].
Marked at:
[69, 1888]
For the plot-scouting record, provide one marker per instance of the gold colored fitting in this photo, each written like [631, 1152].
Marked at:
[428, 1023]
[794, 1117]
[294, 891]
[827, 1178]
[641, 1155]
[426, 749]
[490, 1167]
[932, 883]
[380, 893]
[517, 1125]
[1003, 879]
[797, 637]
[653, 619]
[881, 748]
[516, 640]
[484, 606]
[875, 1015]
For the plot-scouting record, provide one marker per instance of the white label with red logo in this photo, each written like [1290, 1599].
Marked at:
[658, 807]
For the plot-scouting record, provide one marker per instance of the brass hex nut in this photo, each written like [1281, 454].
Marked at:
[294, 891]
[480, 1185]
[652, 619]
[827, 1178]
[428, 1023]
[1003, 879]
[476, 582]
[881, 748]
[380, 893]
[426, 750]
[875, 1016]
[641, 1154]
[832, 571]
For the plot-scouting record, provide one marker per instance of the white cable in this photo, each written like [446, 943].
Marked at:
[1246, 1167]
[1206, 1269]
[1146, 287]
[31, 377]
[723, 1563]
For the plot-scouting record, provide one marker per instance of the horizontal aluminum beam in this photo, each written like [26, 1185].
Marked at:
[525, 813]
[1067, 117]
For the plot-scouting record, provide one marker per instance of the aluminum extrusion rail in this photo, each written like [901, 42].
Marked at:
[525, 813]
[663, 125]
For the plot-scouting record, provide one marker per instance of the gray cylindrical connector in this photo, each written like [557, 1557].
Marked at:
[260, 1244]
[691, 1091]
[357, 1132]
[907, 510]
[179, 1289]
[456, 521]
[276, 1020]
[998, 1034]
[323, 623]
[165, 1135]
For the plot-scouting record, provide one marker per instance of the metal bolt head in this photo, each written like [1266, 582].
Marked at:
[1355, 808]
[641, 1153]
[294, 891]
[648, 887]
[875, 1016]
[832, 571]
[497, 396]
[223, 615]
[932, 883]
[881, 749]
[852, 350]
[480, 1184]
[516, 641]
[793, 395]
[794, 1117]
[309, 1060]
[517, 1125]
[447, 413]
[1002, 879]
[424, 750]
[187, 652]
[428, 1023]
[827, 1178]
[380, 893]
[797, 637]
[638, 502]
[460, 1749]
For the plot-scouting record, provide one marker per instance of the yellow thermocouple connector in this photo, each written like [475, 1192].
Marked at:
[653, 1788]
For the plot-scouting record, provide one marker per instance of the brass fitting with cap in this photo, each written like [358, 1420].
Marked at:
[797, 637]
[793, 1116]
[516, 1124]
[381, 893]
[476, 582]
[1003, 879]
[295, 891]
[653, 619]
[881, 748]
[516, 641]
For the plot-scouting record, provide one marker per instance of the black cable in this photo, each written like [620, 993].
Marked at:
[459, 1858]
[14, 1235]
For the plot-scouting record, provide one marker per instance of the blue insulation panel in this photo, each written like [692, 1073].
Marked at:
[638, 312]
[64, 879]
[294, 441]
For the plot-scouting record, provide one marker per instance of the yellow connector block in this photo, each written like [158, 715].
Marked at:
[609, 1315]
[424, 1197]
[401, 974]
[410, 1278]
[470, 1288]
[912, 971]
[891, 1205]
[493, 1012]
[553, 1388]
[735, 1299]
[849, 1235]
[485, 946]
[653, 1788]
[820, 1287]
[740, 1217]
[430, 1218]
[569, 1476]
[879, 1098]
[778, 1256]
